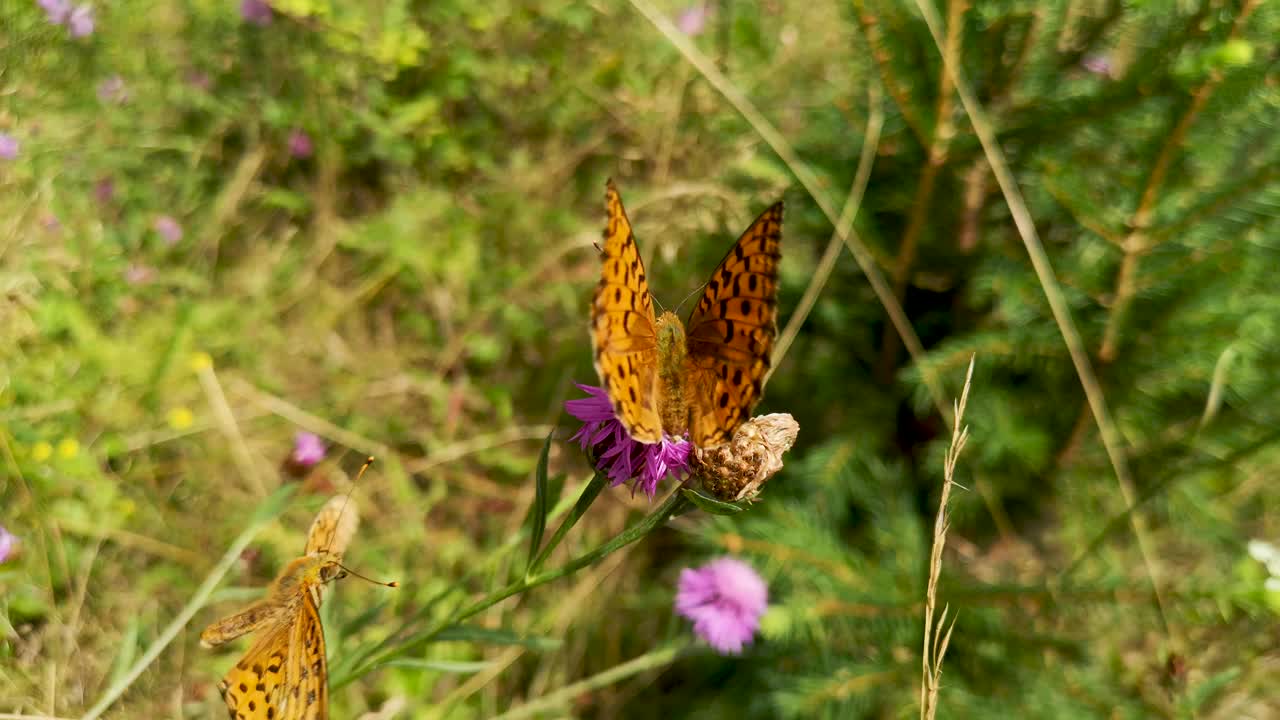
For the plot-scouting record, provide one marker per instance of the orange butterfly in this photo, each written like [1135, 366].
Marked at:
[284, 675]
[706, 381]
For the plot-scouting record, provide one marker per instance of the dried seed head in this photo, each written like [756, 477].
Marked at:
[738, 469]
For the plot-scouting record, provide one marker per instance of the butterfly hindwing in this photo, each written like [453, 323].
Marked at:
[731, 332]
[624, 329]
[305, 695]
[253, 685]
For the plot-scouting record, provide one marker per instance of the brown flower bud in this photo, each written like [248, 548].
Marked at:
[738, 469]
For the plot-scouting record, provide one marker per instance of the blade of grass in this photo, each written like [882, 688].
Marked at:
[270, 508]
[649, 661]
[870, 143]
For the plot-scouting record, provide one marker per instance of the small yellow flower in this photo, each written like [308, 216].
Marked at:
[41, 451]
[68, 448]
[201, 361]
[180, 418]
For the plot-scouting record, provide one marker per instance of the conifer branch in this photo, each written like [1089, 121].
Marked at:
[1111, 439]
[1137, 242]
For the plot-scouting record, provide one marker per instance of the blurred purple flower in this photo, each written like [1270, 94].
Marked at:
[9, 146]
[112, 90]
[104, 190]
[51, 223]
[693, 20]
[8, 544]
[169, 229]
[257, 12]
[725, 599]
[56, 11]
[200, 80]
[616, 454]
[137, 274]
[299, 144]
[308, 449]
[1097, 64]
[80, 24]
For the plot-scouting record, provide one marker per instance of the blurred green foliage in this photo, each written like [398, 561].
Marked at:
[416, 280]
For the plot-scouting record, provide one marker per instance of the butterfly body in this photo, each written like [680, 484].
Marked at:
[673, 353]
[701, 379]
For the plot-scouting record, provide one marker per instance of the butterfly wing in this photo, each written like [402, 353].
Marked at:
[251, 689]
[731, 333]
[264, 613]
[624, 329]
[334, 526]
[305, 693]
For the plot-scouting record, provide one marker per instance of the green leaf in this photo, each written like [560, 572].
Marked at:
[538, 513]
[709, 504]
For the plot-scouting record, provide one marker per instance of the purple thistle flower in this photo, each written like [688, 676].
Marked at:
[137, 274]
[308, 449]
[9, 146]
[8, 544]
[616, 454]
[693, 20]
[199, 80]
[168, 228]
[725, 599]
[112, 90]
[104, 191]
[56, 11]
[1097, 64]
[80, 23]
[299, 144]
[258, 12]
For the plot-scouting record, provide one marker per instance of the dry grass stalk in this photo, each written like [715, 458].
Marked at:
[936, 638]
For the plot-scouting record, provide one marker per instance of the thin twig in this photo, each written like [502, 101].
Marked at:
[938, 151]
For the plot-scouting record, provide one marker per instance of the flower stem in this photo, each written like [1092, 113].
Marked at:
[675, 504]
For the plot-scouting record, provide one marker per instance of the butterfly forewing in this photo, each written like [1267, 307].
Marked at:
[731, 333]
[623, 328]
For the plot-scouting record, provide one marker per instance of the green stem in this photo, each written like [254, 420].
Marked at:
[673, 505]
[588, 496]
[565, 695]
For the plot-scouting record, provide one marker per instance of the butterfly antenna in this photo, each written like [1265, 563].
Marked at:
[691, 294]
[367, 462]
[351, 572]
